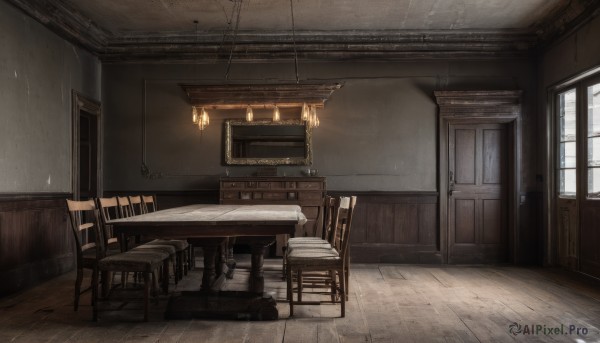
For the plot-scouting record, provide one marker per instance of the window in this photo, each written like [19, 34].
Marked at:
[580, 103]
[593, 141]
[567, 145]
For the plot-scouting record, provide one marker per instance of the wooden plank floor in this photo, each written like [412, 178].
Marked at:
[388, 303]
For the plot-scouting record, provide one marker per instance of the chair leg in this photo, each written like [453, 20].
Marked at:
[299, 280]
[179, 262]
[283, 261]
[290, 294]
[347, 274]
[191, 257]
[334, 287]
[146, 295]
[95, 294]
[78, 281]
[343, 291]
[165, 276]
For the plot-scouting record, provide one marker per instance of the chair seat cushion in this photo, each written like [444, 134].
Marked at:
[133, 261]
[169, 249]
[320, 257]
[178, 244]
[304, 239]
[315, 245]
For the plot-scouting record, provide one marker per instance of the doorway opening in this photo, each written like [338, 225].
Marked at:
[86, 143]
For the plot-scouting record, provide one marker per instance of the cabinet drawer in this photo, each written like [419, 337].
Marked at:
[264, 185]
[309, 185]
[232, 184]
[230, 195]
[274, 195]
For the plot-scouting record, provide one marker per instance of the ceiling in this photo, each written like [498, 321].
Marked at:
[164, 30]
[138, 16]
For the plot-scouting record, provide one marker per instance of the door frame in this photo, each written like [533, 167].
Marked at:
[82, 103]
[475, 107]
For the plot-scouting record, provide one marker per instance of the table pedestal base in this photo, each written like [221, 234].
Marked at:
[222, 305]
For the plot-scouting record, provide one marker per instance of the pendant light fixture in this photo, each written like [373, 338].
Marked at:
[276, 115]
[249, 114]
[204, 120]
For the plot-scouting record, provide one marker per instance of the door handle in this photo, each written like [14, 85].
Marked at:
[451, 184]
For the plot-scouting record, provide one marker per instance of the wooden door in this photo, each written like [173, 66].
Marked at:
[86, 147]
[477, 193]
[88, 156]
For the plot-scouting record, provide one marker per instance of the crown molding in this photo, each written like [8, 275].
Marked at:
[250, 46]
[66, 22]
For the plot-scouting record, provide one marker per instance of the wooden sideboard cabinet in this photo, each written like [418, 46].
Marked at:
[308, 192]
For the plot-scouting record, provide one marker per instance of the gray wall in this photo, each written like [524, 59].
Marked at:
[38, 70]
[378, 132]
[569, 57]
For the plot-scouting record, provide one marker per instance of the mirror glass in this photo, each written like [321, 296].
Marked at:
[267, 143]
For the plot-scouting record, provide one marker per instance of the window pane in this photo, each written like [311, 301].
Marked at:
[594, 152]
[567, 155]
[567, 182]
[594, 110]
[567, 115]
[594, 183]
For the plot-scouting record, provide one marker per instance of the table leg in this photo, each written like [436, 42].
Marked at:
[213, 263]
[209, 273]
[230, 260]
[257, 280]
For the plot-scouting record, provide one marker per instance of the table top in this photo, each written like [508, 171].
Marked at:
[218, 215]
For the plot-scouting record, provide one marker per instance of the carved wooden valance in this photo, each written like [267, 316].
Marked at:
[479, 103]
[257, 95]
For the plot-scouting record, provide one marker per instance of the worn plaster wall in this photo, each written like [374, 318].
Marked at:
[571, 56]
[38, 70]
[377, 133]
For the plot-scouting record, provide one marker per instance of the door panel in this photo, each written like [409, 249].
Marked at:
[465, 157]
[477, 202]
[465, 221]
[492, 221]
[492, 156]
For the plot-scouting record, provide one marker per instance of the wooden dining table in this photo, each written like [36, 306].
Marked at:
[210, 225]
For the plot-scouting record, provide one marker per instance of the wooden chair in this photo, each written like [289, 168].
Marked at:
[332, 261]
[114, 208]
[149, 203]
[91, 252]
[146, 204]
[313, 241]
[84, 225]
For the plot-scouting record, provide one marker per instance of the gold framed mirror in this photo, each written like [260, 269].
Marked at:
[268, 143]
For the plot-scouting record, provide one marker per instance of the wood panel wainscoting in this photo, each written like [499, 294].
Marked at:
[36, 243]
[394, 227]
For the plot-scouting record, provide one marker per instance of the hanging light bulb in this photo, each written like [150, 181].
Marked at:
[313, 119]
[194, 115]
[305, 112]
[276, 116]
[249, 114]
[204, 120]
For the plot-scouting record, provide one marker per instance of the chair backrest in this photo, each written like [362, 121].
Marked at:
[137, 206]
[109, 210]
[125, 207]
[328, 226]
[344, 212]
[149, 202]
[85, 225]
